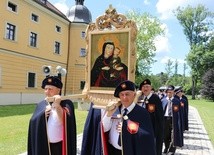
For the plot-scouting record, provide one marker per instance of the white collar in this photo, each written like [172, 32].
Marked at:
[150, 94]
[129, 108]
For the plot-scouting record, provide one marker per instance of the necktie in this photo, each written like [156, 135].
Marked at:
[170, 107]
[125, 112]
[145, 102]
[119, 139]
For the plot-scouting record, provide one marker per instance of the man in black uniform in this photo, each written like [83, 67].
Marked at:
[152, 103]
[184, 106]
[52, 128]
[128, 126]
[186, 111]
[173, 133]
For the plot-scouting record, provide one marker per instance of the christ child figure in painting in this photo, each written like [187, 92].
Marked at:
[115, 64]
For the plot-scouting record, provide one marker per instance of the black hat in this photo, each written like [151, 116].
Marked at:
[52, 80]
[123, 86]
[145, 82]
[162, 88]
[178, 89]
[170, 87]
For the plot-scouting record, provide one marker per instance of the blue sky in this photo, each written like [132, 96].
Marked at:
[172, 46]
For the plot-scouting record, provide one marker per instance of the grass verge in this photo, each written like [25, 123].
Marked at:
[14, 127]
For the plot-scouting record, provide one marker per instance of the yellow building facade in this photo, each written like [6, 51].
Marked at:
[33, 33]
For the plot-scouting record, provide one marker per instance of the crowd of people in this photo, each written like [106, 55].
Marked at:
[151, 123]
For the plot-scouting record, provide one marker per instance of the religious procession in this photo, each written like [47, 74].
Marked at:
[141, 122]
[124, 117]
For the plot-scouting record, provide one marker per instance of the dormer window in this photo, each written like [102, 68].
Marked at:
[43, 1]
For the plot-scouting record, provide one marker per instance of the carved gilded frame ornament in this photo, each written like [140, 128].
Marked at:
[122, 32]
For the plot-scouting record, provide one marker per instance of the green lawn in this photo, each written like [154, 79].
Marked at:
[14, 127]
[15, 119]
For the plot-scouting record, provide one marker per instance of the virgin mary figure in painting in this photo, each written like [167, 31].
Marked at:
[101, 71]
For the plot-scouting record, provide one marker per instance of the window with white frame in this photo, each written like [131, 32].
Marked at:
[12, 7]
[31, 80]
[10, 31]
[57, 47]
[83, 34]
[82, 52]
[58, 28]
[34, 17]
[33, 39]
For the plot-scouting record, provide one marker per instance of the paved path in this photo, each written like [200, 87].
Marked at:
[196, 140]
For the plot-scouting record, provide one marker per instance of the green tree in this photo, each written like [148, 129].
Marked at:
[208, 84]
[169, 67]
[184, 69]
[196, 25]
[208, 56]
[184, 74]
[149, 27]
[176, 70]
[176, 67]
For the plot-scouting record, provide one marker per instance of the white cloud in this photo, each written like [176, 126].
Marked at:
[146, 2]
[162, 42]
[166, 7]
[62, 6]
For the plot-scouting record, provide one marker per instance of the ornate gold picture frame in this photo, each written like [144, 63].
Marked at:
[110, 52]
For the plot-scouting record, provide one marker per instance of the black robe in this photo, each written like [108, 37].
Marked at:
[186, 112]
[155, 109]
[91, 140]
[94, 140]
[142, 142]
[176, 121]
[37, 133]
[182, 111]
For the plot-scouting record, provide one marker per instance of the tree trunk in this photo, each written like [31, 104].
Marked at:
[193, 87]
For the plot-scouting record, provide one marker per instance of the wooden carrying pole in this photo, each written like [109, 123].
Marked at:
[107, 104]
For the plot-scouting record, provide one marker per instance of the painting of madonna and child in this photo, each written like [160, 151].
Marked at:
[109, 60]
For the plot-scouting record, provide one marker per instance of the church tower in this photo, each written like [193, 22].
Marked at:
[80, 17]
[79, 13]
